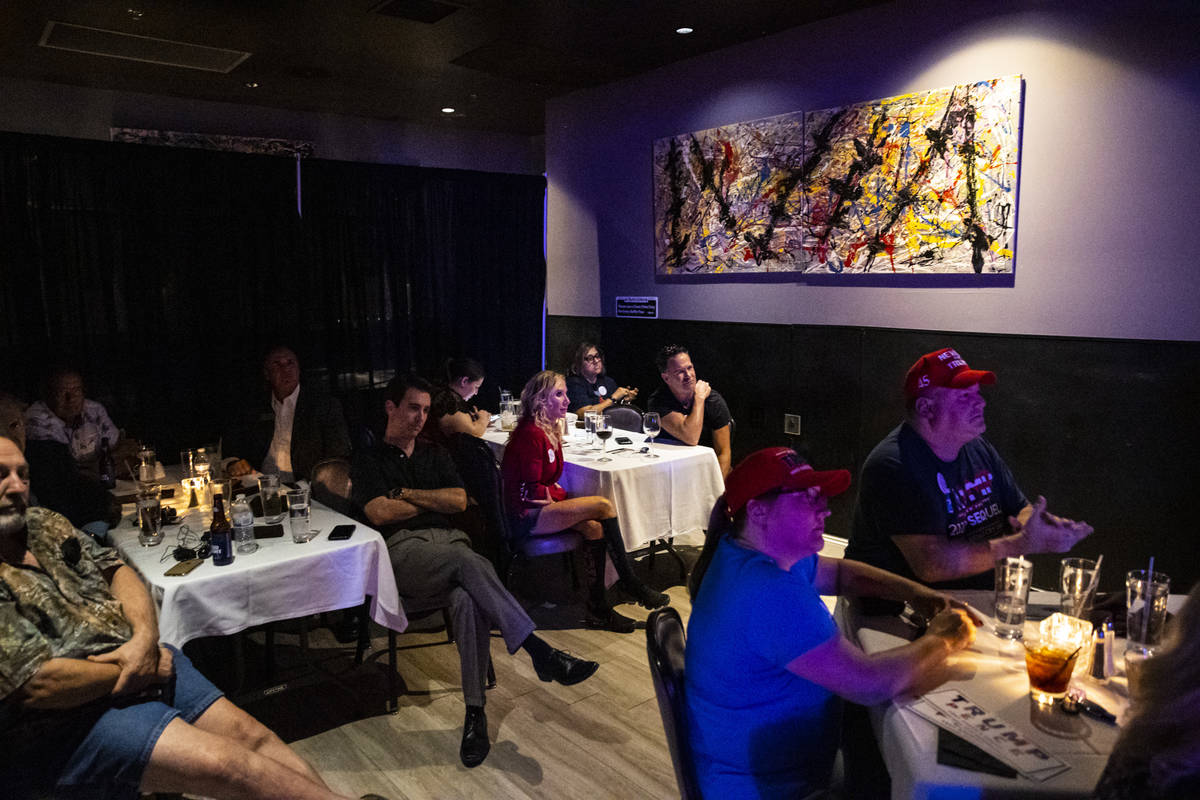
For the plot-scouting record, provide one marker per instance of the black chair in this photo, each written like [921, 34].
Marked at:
[665, 642]
[330, 484]
[481, 475]
[627, 418]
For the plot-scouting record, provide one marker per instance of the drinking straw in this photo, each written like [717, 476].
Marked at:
[129, 466]
[1091, 587]
[1145, 604]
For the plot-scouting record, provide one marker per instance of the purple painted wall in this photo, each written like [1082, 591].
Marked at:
[1109, 184]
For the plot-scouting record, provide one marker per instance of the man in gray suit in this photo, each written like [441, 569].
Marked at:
[303, 426]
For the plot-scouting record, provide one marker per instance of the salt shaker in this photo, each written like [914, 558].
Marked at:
[1099, 645]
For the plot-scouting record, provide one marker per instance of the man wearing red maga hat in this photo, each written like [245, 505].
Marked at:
[936, 502]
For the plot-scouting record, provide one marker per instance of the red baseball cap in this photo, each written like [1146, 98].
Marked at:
[943, 367]
[778, 468]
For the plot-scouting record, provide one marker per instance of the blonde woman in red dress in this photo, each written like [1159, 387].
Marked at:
[532, 465]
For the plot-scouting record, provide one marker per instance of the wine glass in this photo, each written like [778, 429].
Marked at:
[652, 425]
[603, 432]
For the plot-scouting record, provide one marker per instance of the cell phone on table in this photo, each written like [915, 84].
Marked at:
[184, 567]
[341, 532]
[623, 440]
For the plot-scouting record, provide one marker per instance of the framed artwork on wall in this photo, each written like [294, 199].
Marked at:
[919, 184]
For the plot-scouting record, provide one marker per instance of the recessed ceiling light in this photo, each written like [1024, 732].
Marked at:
[134, 13]
[447, 110]
[251, 84]
[683, 31]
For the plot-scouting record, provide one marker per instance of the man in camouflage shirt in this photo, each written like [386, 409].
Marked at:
[92, 704]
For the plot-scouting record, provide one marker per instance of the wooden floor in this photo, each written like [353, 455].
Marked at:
[602, 738]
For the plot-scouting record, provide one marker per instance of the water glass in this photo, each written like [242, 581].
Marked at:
[299, 512]
[589, 426]
[1013, 578]
[1145, 609]
[1077, 581]
[149, 511]
[652, 425]
[147, 469]
[272, 500]
[509, 412]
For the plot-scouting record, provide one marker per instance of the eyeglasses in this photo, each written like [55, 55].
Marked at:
[189, 545]
[594, 357]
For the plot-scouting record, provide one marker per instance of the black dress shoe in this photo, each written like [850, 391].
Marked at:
[475, 744]
[644, 596]
[565, 668]
[605, 619]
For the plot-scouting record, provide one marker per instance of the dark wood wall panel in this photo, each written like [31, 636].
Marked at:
[1105, 429]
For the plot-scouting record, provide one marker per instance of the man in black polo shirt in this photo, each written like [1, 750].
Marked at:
[691, 411]
[407, 487]
[936, 502]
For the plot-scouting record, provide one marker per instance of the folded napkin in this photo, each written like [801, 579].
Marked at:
[955, 751]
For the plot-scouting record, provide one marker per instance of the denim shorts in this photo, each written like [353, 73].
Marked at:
[107, 760]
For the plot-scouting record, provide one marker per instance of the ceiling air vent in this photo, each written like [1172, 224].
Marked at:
[417, 10]
[99, 42]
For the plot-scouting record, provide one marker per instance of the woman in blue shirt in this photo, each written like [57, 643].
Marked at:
[589, 387]
[766, 665]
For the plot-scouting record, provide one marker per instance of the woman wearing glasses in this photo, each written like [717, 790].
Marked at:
[588, 387]
[532, 465]
[766, 665]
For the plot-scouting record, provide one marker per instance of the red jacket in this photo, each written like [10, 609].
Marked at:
[530, 457]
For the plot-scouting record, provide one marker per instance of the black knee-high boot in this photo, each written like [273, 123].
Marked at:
[643, 594]
[599, 613]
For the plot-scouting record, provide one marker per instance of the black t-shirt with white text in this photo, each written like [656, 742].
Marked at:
[905, 489]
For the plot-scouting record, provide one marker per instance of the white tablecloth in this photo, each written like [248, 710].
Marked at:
[655, 497]
[281, 580]
[994, 678]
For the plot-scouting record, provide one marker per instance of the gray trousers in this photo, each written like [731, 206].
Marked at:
[434, 563]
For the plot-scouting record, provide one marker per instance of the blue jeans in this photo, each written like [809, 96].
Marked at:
[102, 749]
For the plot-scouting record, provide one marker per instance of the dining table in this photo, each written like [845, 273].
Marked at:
[280, 580]
[987, 700]
[656, 498]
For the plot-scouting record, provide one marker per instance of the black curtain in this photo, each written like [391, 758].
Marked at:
[165, 273]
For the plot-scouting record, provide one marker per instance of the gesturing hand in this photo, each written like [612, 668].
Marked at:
[139, 660]
[1049, 533]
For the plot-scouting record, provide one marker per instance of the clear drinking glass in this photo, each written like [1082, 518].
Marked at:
[589, 426]
[603, 432]
[652, 425]
[272, 500]
[149, 508]
[1013, 578]
[1145, 609]
[147, 468]
[1077, 586]
[299, 513]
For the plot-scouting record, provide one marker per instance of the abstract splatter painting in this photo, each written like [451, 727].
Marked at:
[727, 199]
[923, 183]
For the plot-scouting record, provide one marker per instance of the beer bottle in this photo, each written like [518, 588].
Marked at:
[106, 468]
[220, 534]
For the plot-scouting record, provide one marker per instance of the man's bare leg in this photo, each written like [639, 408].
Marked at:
[188, 759]
[226, 719]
